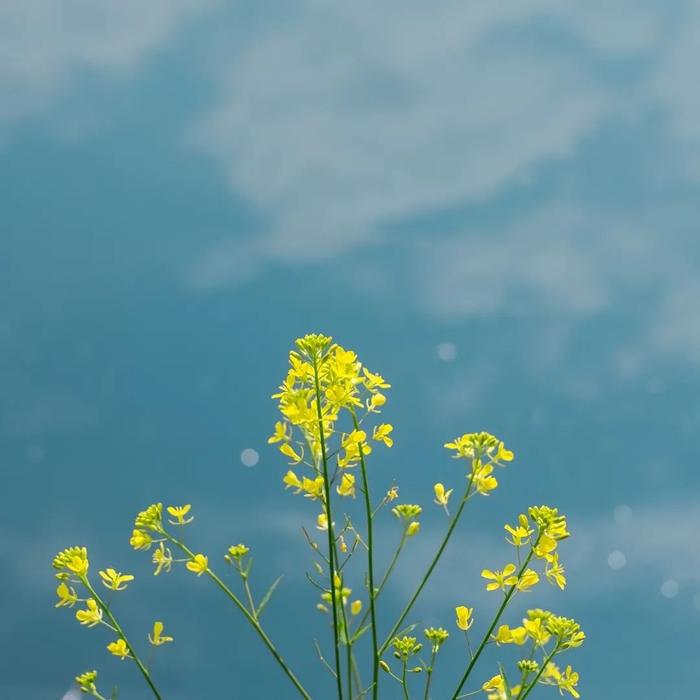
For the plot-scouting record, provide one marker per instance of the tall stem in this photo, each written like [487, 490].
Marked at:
[496, 620]
[429, 676]
[248, 615]
[370, 567]
[331, 537]
[403, 680]
[432, 566]
[120, 632]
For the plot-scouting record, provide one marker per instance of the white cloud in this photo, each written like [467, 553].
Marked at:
[45, 44]
[334, 125]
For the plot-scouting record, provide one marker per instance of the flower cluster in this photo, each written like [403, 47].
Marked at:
[483, 452]
[329, 431]
[324, 383]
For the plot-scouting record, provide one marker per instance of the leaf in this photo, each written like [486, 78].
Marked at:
[509, 692]
[267, 596]
[360, 632]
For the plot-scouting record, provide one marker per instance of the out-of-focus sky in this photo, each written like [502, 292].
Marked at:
[495, 204]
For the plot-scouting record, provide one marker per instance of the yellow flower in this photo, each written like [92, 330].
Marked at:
[374, 381]
[441, 496]
[520, 534]
[280, 434]
[288, 451]
[508, 635]
[198, 564]
[503, 455]
[115, 580]
[406, 511]
[356, 607]
[568, 681]
[500, 579]
[392, 494]
[342, 395]
[140, 540]
[483, 479]
[464, 617]
[375, 402]
[381, 434]
[291, 479]
[238, 551]
[413, 528]
[91, 616]
[437, 636]
[528, 579]
[151, 518]
[503, 635]
[118, 648]
[322, 522]
[73, 560]
[352, 444]
[471, 445]
[564, 681]
[545, 547]
[537, 631]
[555, 571]
[157, 638]
[347, 485]
[86, 682]
[67, 597]
[495, 683]
[179, 513]
[163, 559]
[313, 488]
[549, 522]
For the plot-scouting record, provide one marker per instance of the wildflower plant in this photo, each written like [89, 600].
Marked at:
[330, 432]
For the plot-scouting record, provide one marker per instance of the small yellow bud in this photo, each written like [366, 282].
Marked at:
[413, 528]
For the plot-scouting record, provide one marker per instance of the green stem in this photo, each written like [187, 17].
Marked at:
[403, 681]
[331, 538]
[120, 632]
[429, 678]
[248, 615]
[533, 683]
[348, 661]
[496, 619]
[370, 567]
[432, 566]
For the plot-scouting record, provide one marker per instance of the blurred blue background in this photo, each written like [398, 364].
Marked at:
[495, 204]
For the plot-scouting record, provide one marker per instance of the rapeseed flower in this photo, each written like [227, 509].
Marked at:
[118, 648]
[87, 682]
[91, 616]
[464, 617]
[437, 636]
[67, 597]
[140, 540]
[347, 485]
[162, 558]
[179, 513]
[500, 579]
[441, 495]
[73, 560]
[381, 434]
[156, 638]
[198, 564]
[114, 580]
